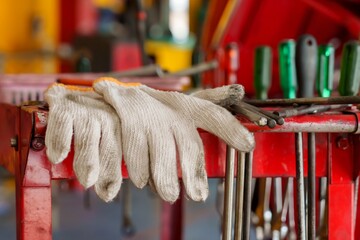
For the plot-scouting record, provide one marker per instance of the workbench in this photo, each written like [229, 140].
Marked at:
[23, 154]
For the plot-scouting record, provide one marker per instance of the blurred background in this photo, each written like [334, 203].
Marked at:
[66, 36]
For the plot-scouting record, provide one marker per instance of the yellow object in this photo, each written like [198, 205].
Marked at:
[194, 8]
[223, 23]
[170, 56]
[27, 28]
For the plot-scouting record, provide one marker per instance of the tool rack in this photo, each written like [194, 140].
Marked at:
[337, 142]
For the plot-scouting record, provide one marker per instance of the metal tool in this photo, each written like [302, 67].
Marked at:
[350, 69]
[304, 101]
[306, 67]
[262, 211]
[349, 86]
[196, 69]
[262, 83]
[291, 232]
[287, 68]
[291, 112]
[289, 87]
[247, 195]
[300, 186]
[270, 122]
[324, 87]
[229, 190]
[239, 198]
[253, 117]
[262, 72]
[272, 118]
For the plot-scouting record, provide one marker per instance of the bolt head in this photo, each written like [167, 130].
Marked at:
[13, 142]
[38, 144]
[342, 143]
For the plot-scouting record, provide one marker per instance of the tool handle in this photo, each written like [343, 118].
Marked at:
[350, 69]
[262, 71]
[325, 70]
[306, 64]
[287, 68]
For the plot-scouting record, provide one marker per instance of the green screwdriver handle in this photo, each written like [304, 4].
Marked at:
[350, 69]
[306, 64]
[262, 71]
[325, 72]
[287, 68]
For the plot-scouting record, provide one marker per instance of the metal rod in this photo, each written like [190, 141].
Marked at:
[267, 211]
[149, 70]
[271, 123]
[356, 192]
[300, 186]
[279, 120]
[260, 209]
[277, 222]
[311, 187]
[292, 232]
[229, 190]
[199, 68]
[239, 199]
[311, 109]
[253, 117]
[247, 195]
[304, 101]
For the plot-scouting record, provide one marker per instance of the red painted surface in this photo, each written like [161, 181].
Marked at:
[273, 156]
[340, 219]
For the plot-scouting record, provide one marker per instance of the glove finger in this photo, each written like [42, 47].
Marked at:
[221, 123]
[207, 116]
[136, 155]
[163, 164]
[86, 159]
[110, 177]
[192, 162]
[224, 96]
[58, 136]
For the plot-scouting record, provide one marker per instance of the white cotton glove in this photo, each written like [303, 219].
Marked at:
[224, 96]
[157, 124]
[97, 138]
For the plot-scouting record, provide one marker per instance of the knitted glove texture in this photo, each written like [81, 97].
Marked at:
[95, 127]
[156, 125]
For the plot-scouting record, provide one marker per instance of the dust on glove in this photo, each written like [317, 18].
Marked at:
[156, 125]
[82, 114]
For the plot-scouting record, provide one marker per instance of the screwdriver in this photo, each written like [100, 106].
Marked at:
[324, 87]
[350, 69]
[349, 84]
[287, 68]
[262, 77]
[325, 73]
[262, 73]
[288, 84]
[306, 66]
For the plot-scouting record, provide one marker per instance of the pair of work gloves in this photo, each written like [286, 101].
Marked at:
[149, 127]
